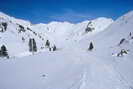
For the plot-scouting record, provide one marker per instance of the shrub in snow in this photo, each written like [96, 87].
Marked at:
[130, 35]
[3, 27]
[29, 29]
[122, 52]
[21, 28]
[122, 40]
[53, 48]
[89, 28]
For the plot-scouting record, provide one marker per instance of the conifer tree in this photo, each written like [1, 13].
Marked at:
[32, 45]
[54, 48]
[4, 51]
[0, 53]
[47, 43]
[91, 46]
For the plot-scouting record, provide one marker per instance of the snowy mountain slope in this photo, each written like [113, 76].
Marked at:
[18, 32]
[109, 46]
[96, 26]
[66, 30]
[76, 67]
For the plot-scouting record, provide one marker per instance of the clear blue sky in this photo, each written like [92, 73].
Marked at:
[44, 11]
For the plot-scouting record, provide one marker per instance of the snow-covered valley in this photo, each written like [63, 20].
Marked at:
[74, 64]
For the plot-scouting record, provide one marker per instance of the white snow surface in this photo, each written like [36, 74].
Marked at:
[72, 66]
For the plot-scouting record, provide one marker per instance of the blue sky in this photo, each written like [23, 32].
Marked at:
[44, 11]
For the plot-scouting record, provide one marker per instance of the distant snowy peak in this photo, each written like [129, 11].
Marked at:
[70, 28]
[14, 20]
[56, 25]
[101, 23]
[89, 28]
[125, 18]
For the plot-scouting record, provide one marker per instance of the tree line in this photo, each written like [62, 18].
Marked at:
[33, 46]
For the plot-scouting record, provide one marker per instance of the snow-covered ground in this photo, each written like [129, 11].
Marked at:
[72, 66]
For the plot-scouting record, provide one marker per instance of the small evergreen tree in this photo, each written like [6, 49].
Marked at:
[47, 43]
[3, 51]
[130, 34]
[91, 46]
[49, 49]
[32, 45]
[54, 48]
[4, 26]
[88, 29]
[0, 53]
[23, 39]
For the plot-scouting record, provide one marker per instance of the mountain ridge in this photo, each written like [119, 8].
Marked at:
[55, 32]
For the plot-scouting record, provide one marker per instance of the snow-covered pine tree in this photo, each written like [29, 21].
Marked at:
[3, 51]
[54, 48]
[91, 46]
[89, 28]
[49, 49]
[32, 45]
[0, 53]
[47, 43]
[4, 26]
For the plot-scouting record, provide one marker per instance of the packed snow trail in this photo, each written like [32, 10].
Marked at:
[97, 74]
[75, 69]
